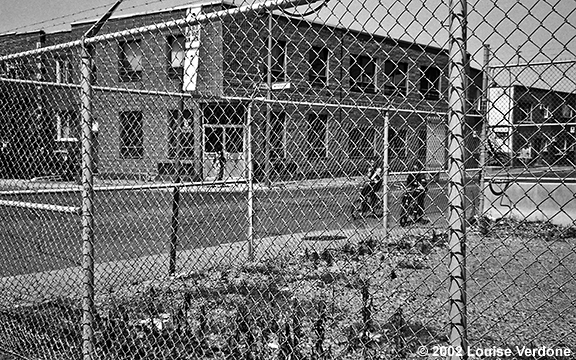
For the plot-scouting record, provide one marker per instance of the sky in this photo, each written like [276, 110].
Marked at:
[516, 30]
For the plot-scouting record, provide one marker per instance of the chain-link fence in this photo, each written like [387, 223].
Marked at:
[289, 179]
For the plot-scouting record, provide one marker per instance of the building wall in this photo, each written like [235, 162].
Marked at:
[553, 140]
[230, 57]
[245, 49]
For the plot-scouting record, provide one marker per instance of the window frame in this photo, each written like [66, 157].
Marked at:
[315, 54]
[63, 71]
[359, 86]
[568, 111]
[125, 71]
[127, 149]
[431, 92]
[60, 115]
[390, 88]
[175, 72]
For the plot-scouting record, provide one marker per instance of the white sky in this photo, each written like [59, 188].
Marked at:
[540, 29]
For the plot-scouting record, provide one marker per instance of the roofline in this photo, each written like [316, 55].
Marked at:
[541, 89]
[159, 11]
[403, 43]
[31, 32]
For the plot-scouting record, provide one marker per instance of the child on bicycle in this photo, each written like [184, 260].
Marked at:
[373, 185]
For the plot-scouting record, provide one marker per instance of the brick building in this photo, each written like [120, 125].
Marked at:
[534, 126]
[312, 66]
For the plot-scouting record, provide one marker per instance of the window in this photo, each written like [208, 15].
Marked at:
[318, 59]
[214, 139]
[317, 135]
[430, 82]
[361, 142]
[63, 71]
[186, 142]
[362, 73]
[397, 143]
[223, 127]
[130, 61]
[546, 113]
[568, 111]
[224, 113]
[131, 135]
[278, 61]
[277, 135]
[176, 51]
[396, 78]
[525, 111]
[67, 126]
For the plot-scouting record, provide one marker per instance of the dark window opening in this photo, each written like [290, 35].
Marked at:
[430, 83]
[130, 57]
[224, 113]
[396, 78]
[278, 62]
[131, 135]
[176, 53]
[362, 73]
[318, 59]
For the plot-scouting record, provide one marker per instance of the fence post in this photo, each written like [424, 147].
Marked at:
[456, 216]
[174, 222]
[87, 205]
[249, 180]
[268, 129]
[385, 170]
[483, 139]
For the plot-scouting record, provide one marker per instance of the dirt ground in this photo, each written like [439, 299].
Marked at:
[368, 300]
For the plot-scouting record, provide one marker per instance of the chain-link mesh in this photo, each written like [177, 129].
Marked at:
[345, 179]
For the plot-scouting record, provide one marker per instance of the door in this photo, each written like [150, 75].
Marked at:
[224, 152]
[223, 136]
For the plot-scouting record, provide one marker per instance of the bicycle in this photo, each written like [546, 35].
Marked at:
[361, 205]
[409, 212]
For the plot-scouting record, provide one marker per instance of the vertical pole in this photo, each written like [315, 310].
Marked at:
[249, 179]
[87, 207]
[483, 139]
[268, 130]
[174, 223]
[385, 170]
[456, 216]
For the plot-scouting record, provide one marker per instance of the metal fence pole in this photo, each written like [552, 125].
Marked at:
[249, 179]
[268, 130]
[87, 206]
[174, 222]
[483, 139]
[456, 216]
[385, 169]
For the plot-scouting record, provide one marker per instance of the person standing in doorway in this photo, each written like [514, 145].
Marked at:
[220, 163]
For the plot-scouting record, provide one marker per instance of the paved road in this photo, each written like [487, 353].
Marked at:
[132, 224]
